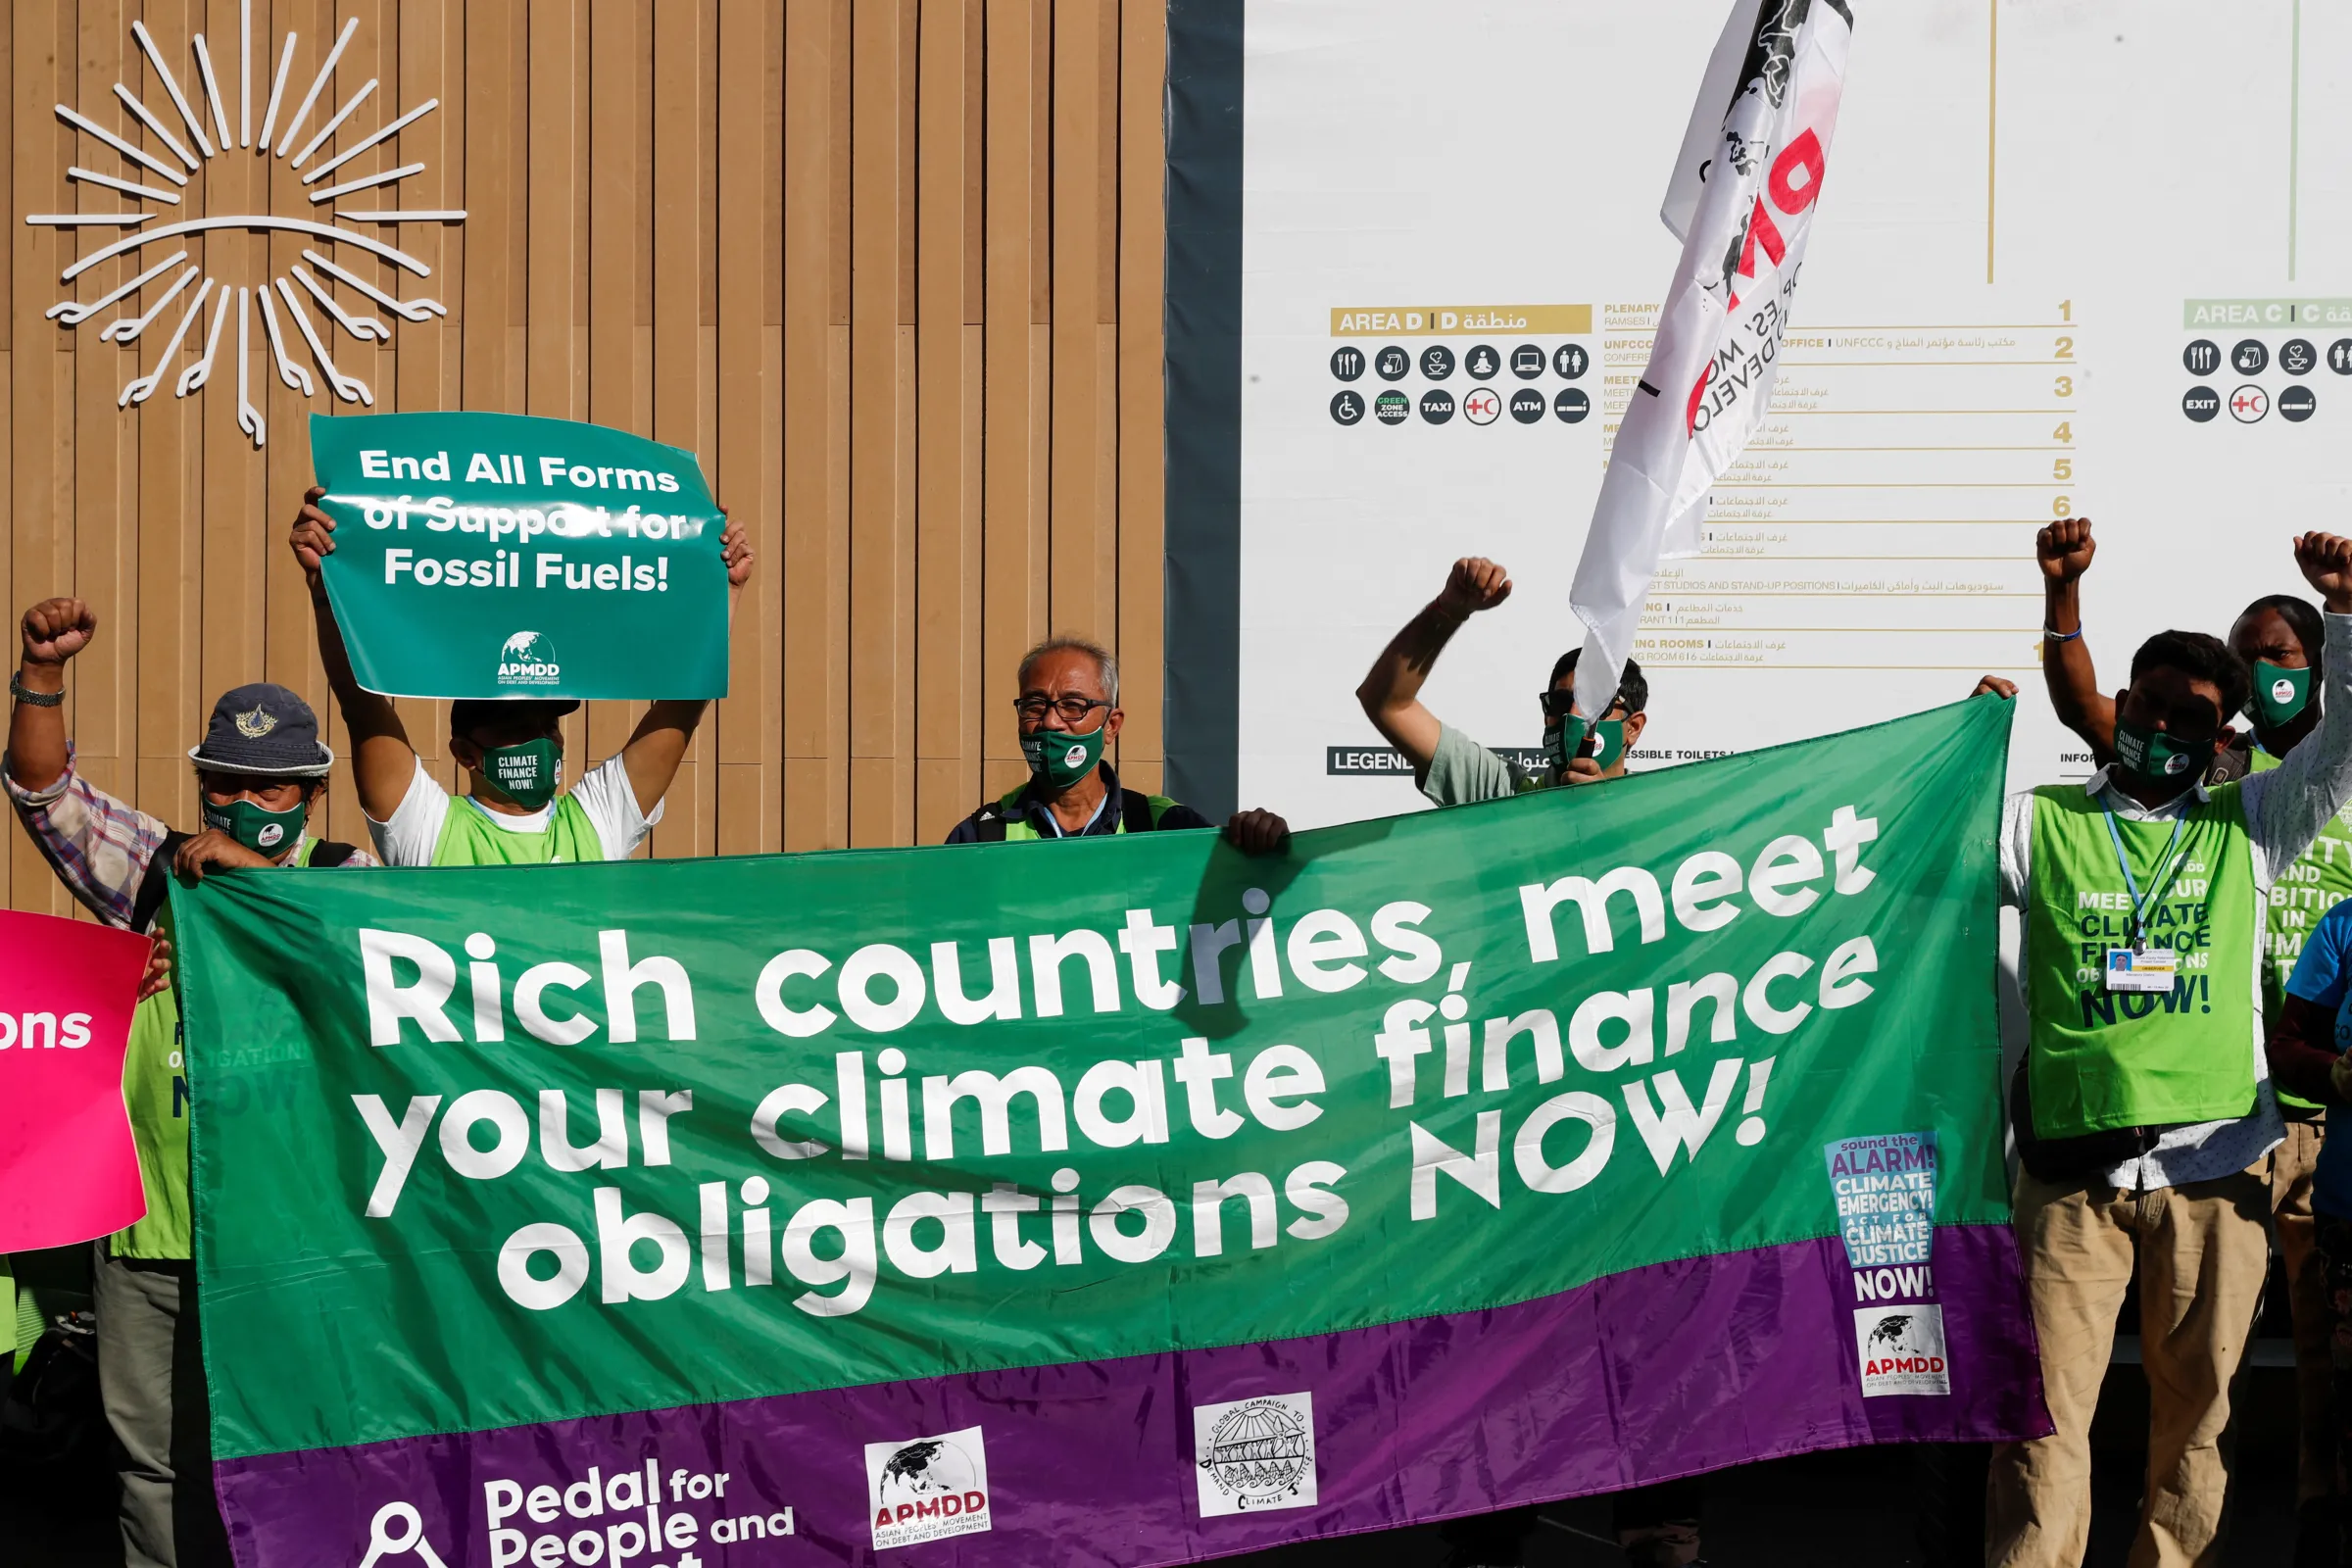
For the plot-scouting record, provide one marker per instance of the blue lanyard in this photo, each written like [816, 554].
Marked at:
[2140, 906]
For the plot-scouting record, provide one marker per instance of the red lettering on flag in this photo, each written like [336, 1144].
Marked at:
[1760, 231]
[1804, 153]
[1700, 391]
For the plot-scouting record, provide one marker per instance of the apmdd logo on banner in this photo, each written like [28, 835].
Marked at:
[927, 1489]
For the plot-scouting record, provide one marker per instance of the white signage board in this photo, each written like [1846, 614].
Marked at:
[2095, 259]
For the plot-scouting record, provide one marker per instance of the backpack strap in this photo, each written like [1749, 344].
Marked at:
[156, 883]
[1138, 814]
[329, 852]
[1142, 814]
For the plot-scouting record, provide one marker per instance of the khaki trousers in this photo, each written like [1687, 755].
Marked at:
[2203, 1251]
[2291, 1166]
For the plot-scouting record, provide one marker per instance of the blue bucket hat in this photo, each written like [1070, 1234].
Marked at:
[262, 729]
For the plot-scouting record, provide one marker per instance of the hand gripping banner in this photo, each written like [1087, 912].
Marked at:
[1120, 1200]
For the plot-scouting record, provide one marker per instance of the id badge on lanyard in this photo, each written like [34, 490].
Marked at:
[2140, 968]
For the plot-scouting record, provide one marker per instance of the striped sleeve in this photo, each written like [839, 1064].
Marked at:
[99, 847]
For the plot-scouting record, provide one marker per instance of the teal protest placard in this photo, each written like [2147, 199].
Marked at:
[496, 555]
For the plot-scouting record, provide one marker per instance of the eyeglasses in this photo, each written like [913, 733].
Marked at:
[1072, 709]
[1558, 703]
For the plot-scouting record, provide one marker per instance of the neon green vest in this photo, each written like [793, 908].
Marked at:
[470, 838]
[155, 1091]
[1018, 829]
[2097, 1059]
[2299, 895]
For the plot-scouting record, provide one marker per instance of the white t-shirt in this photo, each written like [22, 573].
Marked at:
[604, 795]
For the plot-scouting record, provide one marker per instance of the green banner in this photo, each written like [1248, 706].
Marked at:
[551, 1142]
[495, 555]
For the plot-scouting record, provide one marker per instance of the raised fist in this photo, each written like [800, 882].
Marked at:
[1475, 584]
[56, 629]
[2065, 548]
[2327, 563]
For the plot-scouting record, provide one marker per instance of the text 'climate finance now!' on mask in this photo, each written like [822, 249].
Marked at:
[495, 555]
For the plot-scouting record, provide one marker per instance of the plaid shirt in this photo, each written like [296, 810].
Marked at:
[99, 846]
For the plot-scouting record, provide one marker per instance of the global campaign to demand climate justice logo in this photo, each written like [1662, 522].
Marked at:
[470, 547]
[890, 1149]
[1255, 1454]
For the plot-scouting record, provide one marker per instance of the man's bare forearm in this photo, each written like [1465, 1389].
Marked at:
[1404, 665]
[2069, 674]
[365, 713]
[1390, 694]
[384, 762]
[658, 745]
[36, 735]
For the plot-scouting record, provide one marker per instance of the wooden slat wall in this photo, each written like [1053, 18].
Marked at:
[893, 268]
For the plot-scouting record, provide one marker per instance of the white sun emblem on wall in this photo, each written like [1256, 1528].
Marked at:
[281, 302]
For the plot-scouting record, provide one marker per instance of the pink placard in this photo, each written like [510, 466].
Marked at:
[69, 1171]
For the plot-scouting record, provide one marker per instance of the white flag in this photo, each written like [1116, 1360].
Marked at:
[1741, 201]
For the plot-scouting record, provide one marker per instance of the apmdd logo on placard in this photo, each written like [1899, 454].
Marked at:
[527, 660]
[1901, 1350]
[1255, 1455]
[927, 1489]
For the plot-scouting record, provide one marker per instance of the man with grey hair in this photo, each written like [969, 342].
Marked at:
[1069, 711]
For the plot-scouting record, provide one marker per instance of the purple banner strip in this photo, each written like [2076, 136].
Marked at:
[1638, 1377]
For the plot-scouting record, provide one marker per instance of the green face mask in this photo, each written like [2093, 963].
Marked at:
[528, 774]
[2280, 692]
[1060, 757]
[256, 826]
[1569, 736]
[2152, 754]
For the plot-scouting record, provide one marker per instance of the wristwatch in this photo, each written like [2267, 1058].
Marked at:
[26, 694]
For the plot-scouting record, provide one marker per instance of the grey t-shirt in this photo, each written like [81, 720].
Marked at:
[1461, 771]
